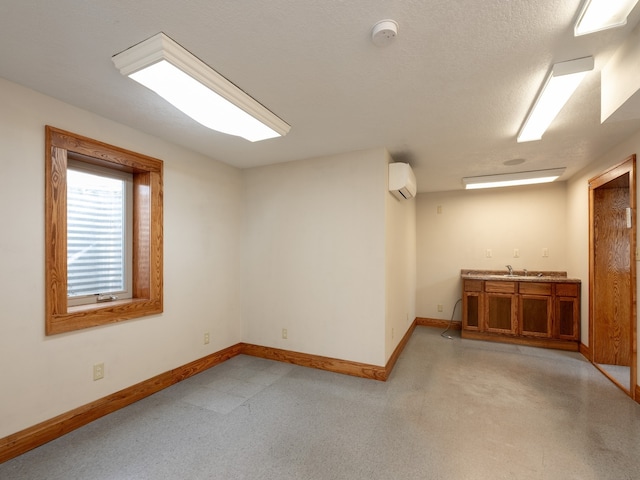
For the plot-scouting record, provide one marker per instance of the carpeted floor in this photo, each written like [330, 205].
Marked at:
[452, 409]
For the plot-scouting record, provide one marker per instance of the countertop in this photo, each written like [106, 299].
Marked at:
[518, 276]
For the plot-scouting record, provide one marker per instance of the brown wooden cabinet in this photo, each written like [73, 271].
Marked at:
[536, 309]
[538, 313]
[567, 311]
[472, 304]
[501, 307]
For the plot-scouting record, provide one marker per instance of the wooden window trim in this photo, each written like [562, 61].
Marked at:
[147, 268]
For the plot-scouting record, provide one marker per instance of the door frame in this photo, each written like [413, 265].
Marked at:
[628, 166]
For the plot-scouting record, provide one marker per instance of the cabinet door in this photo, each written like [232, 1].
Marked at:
[472, 310]
[535, 315]
[567, 314]
[500, 316]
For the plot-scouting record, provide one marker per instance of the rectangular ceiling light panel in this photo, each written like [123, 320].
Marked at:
[190, 85]
[558, 88]
[512, 179]
[599, 15]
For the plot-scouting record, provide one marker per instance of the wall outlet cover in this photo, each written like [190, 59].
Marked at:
[98, 371]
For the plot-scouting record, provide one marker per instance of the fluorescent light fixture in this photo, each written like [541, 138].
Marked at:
[558, 88]
[599, 15]
[512, 179]
[190, 85]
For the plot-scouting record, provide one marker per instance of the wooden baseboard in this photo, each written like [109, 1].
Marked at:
[528, 341]
[637, 396]
[585, 351]
[32, 437]
[336, 365]
[434, 322]
[398, 350]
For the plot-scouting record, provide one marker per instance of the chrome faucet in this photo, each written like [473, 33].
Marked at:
[510, 268]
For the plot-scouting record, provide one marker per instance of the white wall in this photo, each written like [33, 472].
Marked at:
[41, 376]
[529, 219]
[400, 247]
[314, 256]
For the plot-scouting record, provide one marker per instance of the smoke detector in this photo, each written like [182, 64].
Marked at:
[384, 32]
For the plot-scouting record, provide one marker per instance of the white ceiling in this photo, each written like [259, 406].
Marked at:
[448, 96]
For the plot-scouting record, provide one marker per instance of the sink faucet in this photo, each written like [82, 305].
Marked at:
[510, 268]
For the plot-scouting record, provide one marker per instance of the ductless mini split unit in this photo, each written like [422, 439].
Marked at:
[402, 181]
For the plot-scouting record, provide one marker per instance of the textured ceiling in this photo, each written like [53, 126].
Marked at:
[448, 96]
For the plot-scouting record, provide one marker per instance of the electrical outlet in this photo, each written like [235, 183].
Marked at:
[284, 333]
[206, 338]
[439, 209]
[545, 252]
[488, 253]
[98, 371]
[440, 308]
[516, 253]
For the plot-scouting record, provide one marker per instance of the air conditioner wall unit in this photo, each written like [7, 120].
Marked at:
[402, 181]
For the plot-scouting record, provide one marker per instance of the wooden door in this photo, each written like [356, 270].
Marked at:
[612, 318]
[612, 288]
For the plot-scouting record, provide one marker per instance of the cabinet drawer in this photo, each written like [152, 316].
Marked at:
[473, 285]
[567, 289]
[535, 288]
[500, 287]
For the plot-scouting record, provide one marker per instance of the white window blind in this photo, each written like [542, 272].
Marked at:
[96, 232]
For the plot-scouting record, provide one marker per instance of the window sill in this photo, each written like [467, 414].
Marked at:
[95, 314]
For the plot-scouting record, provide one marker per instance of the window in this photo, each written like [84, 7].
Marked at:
[99, 224]
[103, 233]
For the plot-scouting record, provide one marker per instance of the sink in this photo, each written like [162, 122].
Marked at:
[506, 275]
[515, 277]
[523, 277]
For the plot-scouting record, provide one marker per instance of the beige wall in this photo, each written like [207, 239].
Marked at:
[329, 255]
[319, 247]
[314, 256]
[554, 216]
[41, 376]
[400, 247]
[471, 222]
